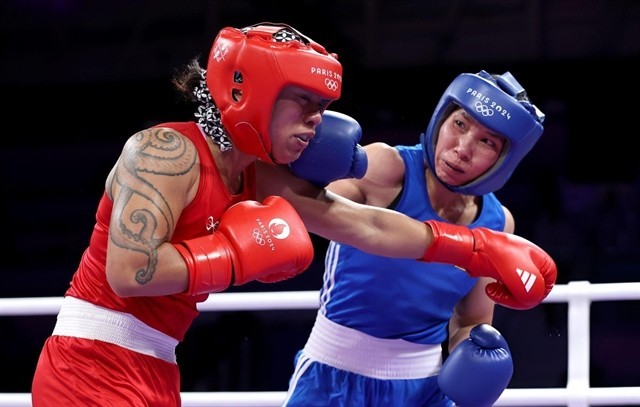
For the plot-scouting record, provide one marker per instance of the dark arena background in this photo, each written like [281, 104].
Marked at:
[77, 78]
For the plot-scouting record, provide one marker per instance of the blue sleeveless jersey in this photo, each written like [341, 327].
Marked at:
[400, 298]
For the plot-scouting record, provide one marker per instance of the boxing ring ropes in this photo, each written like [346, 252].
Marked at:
[578, 294]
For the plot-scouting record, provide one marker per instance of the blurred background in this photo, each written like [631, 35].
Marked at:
[77, 78]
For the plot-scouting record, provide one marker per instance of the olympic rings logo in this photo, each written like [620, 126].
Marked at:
[483, 109]
[331, 84]
[257, 236]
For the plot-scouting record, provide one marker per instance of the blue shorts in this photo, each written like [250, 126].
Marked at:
[316, 384]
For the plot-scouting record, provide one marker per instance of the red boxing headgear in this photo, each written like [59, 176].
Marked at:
[248, 68]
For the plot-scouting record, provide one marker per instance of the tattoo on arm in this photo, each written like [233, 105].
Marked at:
[144, 219]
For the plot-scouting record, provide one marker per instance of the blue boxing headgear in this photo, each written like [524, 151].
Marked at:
[499, 103]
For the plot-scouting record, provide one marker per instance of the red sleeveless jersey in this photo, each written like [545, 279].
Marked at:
[171, 314]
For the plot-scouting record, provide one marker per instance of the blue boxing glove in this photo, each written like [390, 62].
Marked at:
[478, 370]
[333, 153]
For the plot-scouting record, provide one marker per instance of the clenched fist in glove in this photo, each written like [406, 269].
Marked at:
[524, 273]
[478, 370]
[266, 242]
[333, 153]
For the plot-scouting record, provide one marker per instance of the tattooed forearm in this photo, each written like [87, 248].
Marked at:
[143, 215]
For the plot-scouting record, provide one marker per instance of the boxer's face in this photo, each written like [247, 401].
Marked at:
[465, 149]
[295, 116]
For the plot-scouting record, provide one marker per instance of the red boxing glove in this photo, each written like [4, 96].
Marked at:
[524, 273]
[267, 242]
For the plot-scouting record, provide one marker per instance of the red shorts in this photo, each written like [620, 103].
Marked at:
[83, 372]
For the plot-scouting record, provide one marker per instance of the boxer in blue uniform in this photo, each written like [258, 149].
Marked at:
[377, 337]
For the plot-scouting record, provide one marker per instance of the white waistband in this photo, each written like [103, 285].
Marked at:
[351, 350]
[81, 319]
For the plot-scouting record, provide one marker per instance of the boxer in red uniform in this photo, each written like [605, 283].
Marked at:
[183, 216]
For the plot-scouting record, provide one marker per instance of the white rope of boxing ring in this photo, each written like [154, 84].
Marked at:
[578, 294]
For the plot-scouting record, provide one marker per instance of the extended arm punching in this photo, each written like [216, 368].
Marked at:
[524, 273]
[334, 152]
[266, 242]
